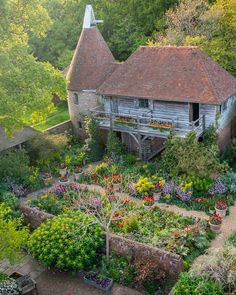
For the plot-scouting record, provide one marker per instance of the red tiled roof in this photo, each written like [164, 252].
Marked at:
[169, 73]
[91, 63]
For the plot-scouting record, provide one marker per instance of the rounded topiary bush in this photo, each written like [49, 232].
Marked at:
[68, 241]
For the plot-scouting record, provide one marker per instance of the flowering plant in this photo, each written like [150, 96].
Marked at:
[221, 205]
[47, 175]
[215, 219]
[62, 166]
[77, 169]
[218, 188]
[144, 186]
[148, 201]
[18, 190]
[184, 191]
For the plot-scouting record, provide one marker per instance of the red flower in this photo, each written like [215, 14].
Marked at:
[215, 219]
[221, 205]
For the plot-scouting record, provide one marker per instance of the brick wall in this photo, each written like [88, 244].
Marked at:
[60, 128]
[226, 134]
[170, 263]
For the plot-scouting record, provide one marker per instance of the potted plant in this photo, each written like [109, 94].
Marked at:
[212, 209]
[221, 208]
[63, 169]
[64, 179]
[148, 201]
[78, 172]
[99, 282]
[47, 178]
[215, 222]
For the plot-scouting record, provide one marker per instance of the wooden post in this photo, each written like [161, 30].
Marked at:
[139, 139]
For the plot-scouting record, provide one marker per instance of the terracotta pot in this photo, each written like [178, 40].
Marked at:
[222, 213]
[149, 207]
[116, 187]
[215, 227]
[64, 182]
[63, 171]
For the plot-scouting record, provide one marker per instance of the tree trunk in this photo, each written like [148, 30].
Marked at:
[107, 244]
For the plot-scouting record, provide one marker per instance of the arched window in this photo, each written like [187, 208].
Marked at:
[75, 98]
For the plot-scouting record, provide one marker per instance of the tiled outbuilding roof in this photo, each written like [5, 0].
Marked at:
[92, 61]
[18, 137]
[171, 73]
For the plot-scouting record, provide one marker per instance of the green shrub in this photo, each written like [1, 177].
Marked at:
[129, 159]
[45, 147]
[181, 155]
[48, 203]
[229, 181]
[102, 169]
[92, 145]
[15, 165]
[118, 268]
[188, 285]
[69, 241]
[114, 145]
[229, 154]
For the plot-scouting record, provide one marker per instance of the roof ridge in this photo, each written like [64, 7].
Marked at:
[208, 76]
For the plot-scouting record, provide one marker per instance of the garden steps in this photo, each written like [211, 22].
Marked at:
[228, 227]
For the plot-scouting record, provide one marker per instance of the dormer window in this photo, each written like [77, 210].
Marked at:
[143, 103]
[75, 98]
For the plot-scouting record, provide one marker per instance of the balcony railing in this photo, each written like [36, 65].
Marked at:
[147, 123]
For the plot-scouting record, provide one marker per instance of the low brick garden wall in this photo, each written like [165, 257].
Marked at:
[169, 263]
[60, 128]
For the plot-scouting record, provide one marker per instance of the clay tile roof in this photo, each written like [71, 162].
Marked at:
[171, 73]
[18, 137]
[92, 61]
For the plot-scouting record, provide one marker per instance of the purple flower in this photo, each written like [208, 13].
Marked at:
[18, 189]
[218, 188]
[58, 189]
[168, 188]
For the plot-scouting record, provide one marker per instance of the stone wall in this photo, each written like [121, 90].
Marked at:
[170, 263]
[87, 100]
[60, 128]
[34, 217]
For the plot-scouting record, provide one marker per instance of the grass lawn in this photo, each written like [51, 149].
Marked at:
[57, 117]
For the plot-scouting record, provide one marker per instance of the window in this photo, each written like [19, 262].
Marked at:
[80, 125]
[75, 98]
[143, 103]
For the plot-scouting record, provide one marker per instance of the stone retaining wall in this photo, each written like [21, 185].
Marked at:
[34, 217]
[170, 263]
[60, 128]
[167, 262]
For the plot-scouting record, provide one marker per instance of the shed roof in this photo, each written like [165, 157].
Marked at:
[18, 137]
[171, 73]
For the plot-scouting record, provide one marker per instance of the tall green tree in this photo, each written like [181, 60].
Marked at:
[127, 24]
[211, 27]
[26, 85]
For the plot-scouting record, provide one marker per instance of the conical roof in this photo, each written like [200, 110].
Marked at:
[92, 61]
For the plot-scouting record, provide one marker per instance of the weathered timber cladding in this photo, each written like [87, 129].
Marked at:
[209, 111]
[172, 110]
[170, 263]
[227, 112]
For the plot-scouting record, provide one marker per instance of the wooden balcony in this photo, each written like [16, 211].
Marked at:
[147, 123]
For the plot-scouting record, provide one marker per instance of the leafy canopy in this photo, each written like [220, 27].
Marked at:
[26, 85]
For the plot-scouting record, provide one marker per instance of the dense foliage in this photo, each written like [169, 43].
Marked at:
[188, 285]
[68, 241]
[13, 235]
[26, 85]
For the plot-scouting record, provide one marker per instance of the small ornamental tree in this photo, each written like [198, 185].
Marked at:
[69, 241]
[12, 235]
[92, 143]
[103, 207]
[114, 146]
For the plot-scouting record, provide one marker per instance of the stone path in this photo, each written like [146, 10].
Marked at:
[228, 227]
[50, 282]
